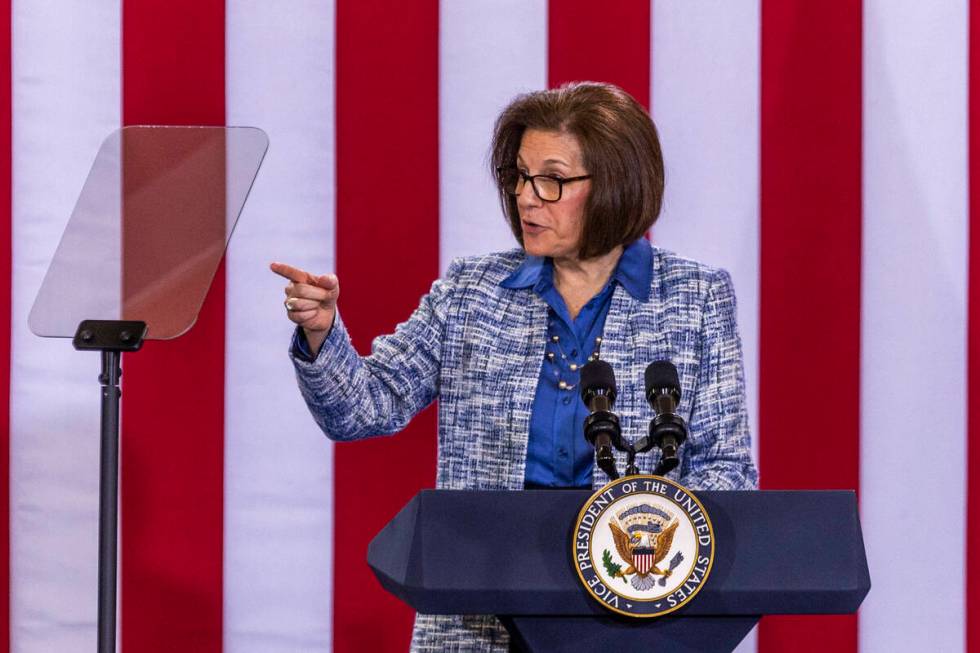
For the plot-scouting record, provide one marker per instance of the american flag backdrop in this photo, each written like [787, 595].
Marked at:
[820, 151]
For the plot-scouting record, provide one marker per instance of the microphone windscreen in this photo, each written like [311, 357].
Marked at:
[597, 375]
[662, 375]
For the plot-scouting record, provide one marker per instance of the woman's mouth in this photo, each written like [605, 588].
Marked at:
[532, 228]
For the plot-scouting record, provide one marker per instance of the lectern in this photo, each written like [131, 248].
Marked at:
[509, 554]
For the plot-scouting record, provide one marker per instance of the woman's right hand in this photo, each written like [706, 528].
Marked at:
[311, 302]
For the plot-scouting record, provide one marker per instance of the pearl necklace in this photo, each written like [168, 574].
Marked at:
[560, 362]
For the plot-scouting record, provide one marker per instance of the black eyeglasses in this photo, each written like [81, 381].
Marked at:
[546, 187]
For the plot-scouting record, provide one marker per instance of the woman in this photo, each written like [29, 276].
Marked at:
[500, 340]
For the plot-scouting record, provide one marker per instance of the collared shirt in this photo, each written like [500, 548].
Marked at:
[558, 454]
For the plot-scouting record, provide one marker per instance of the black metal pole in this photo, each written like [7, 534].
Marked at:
[110, 338]
[108, 500]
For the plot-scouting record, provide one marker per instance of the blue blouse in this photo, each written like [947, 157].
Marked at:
[558, 454]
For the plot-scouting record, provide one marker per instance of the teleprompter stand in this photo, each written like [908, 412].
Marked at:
[135, 263]
[111, 338]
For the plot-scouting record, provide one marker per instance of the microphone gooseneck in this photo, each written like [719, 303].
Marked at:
[601, 427]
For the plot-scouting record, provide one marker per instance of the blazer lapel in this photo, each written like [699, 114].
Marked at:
[632, 338]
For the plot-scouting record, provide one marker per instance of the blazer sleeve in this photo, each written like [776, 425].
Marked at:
[353, 397]
[718, 453]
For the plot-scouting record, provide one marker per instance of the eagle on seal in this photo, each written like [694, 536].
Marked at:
[643, 541]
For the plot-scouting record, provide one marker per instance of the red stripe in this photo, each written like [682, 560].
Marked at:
[611, 45]
[811, 269]
[6, 255]
[973, 346]
[173, 392]
[387, 257]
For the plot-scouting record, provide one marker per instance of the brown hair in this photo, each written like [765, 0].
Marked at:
[620, 150]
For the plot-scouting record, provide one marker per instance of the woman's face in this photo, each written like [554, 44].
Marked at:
[552, 228]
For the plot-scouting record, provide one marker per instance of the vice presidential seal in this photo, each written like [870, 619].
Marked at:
[643, 546]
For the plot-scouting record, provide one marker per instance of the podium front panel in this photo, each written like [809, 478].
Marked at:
[509, 553]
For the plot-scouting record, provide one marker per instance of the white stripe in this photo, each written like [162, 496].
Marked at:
[278, 466]
[488, 53]
[705, 101]
[66, 99]
[913, 324]
[706, 105]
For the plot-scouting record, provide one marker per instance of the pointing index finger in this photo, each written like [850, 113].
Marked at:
[293, 274]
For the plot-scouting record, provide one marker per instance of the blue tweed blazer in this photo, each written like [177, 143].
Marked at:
[478, 348]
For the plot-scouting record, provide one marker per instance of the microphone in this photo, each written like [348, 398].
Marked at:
[598, 383]
[667, 429]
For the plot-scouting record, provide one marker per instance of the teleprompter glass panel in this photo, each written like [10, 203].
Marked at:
[149, 228]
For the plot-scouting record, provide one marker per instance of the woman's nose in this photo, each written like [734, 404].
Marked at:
[527, 197]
